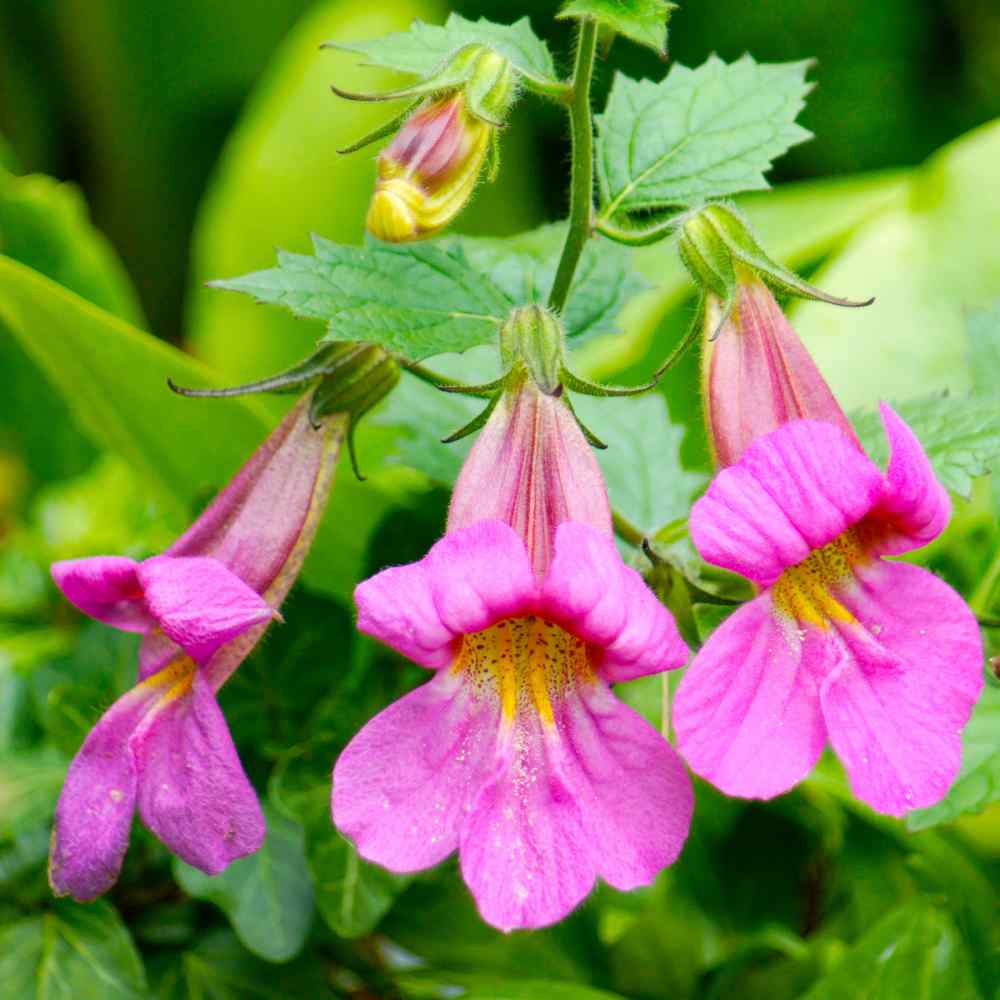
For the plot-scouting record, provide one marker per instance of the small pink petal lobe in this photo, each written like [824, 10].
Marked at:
[792, 491]
[595, 596]
[107, 589]
[193, 793]
[199, 603]
[903, 686]
[914, 507]
[747, 711]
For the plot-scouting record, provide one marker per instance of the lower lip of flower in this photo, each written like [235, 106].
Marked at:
[804, 592]
[529, 663]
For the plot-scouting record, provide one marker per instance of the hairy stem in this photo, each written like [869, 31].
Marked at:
[626, 530]
[581, 193]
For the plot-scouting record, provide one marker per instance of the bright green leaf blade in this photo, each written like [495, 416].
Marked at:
[644, 21]
[267, 896]
[927, 259]
[961, 436]
[978, 784]
[641, 465]
[915, 953]
[423, 48]
[470, 986]
[416, 300]
[524, 266]
[71, 952]
[698, 134]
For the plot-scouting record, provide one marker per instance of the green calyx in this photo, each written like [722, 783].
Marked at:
[487, 81]
[720, 251]
[346, 378]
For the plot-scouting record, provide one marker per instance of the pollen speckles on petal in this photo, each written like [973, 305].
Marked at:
[804, 592]
[528, 661]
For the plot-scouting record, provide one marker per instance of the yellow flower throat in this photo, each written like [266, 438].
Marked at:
[529, 661]
[804, 591]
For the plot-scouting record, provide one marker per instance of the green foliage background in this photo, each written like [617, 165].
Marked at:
[196, 138]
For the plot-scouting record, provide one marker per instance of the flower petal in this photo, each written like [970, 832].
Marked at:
[402, 785]
[107, 589]
[914, 507]
[747, 710]
[193, 793]
[903, 687]
[94, 814]
[594, 595]
[199, 603]
[792, 491]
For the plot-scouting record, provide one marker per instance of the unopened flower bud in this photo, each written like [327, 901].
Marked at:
[533, 337]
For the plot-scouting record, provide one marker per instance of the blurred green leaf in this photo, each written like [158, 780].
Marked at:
[423, 48]
[961, 436]
[415, 300]
[466, 986]
[71, 952]
[978, 784]
[218, 967]
[644, 21]
[927, 259]
[267, 896]
[914, 953]
[29, 785]
[641, 465]
[708, 617]
[698, 134]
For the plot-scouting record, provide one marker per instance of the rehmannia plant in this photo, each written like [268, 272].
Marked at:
[515, 753]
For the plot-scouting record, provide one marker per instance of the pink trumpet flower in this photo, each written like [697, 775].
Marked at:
[516, 753]
[882, 659]
[757, 373]
[163, 747]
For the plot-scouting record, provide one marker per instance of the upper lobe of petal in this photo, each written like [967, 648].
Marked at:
[914, 507]
[468, 581]
[747, 711]
[792, 491]
[903, 686]
[590, 592]
[107, 589]
[199, 603]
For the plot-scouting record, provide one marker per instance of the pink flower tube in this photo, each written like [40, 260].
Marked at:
[516, 753]
[164, 748]
[881, 659]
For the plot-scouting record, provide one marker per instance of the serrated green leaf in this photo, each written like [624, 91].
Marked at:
[644, 21]
[698, 134]
[423, 48]
[416, 300]
[267, 896]
[915, 953]
[961, 436]
[524, 266]
[71, 952]
[641, 465]
[978, 783]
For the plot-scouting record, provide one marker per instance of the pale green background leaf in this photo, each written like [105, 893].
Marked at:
[644, 21]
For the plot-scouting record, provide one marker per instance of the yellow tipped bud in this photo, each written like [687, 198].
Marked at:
[428, 172]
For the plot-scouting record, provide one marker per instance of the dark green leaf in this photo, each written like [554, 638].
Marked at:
[915, 953]
[424, 48]
[644, 21]
[267, 896]
[468, 986]
[978, 784]
[414, 300]
[71, 952]
[960, 435]
[698, 134]
[708, 617]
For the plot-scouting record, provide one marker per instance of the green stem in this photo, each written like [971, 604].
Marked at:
[637, 237]
[626, 530]
[581, 192]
